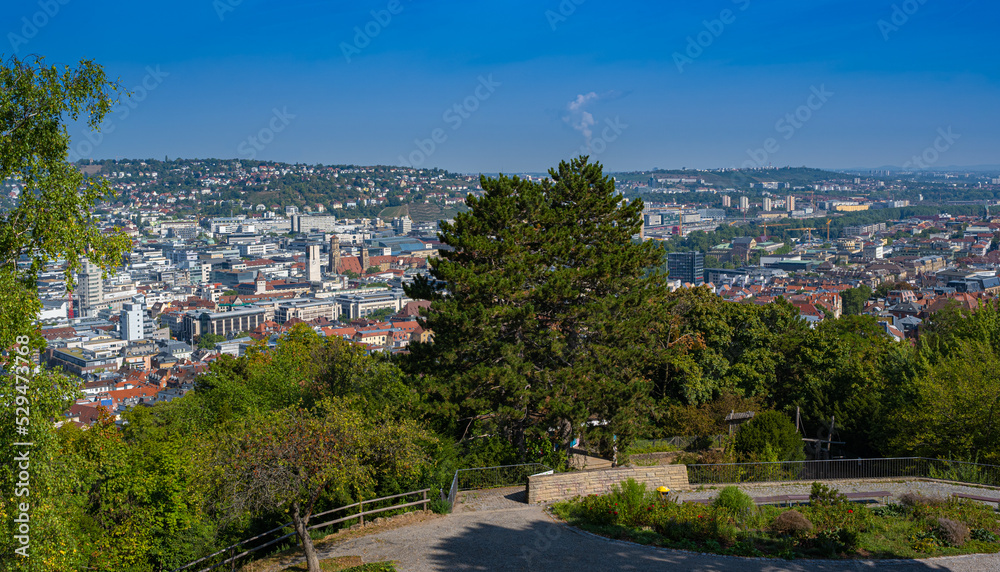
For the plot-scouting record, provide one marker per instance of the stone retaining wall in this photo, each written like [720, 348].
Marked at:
[561, 486]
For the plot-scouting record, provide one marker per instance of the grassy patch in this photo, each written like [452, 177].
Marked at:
[829, 527]
[393, 212]
[647, 446]
[346, 564]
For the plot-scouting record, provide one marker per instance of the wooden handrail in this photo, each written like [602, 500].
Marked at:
[273, 530]
[367, 512]
[359, 503]
[360, 515]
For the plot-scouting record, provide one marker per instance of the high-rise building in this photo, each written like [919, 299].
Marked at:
[132, 321]
[727, 201]
[89, 289]
[790, 203]
[744, 204]
[768, 204]
[364, 259]
[312, 263]
[402, 225]
[688, 267]
[308, 223]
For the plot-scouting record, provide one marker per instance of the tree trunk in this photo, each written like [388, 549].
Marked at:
[300, 523]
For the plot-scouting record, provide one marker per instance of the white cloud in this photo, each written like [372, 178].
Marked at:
[580, 119]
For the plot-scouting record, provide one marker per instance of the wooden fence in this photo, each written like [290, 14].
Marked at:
[229, 554]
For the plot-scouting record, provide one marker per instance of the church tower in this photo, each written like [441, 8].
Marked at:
[334, 254]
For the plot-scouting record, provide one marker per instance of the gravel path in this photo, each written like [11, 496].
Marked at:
[896, 487]
[495, 532]
[492, 499]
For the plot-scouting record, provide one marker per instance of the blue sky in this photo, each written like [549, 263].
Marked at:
[719, 83]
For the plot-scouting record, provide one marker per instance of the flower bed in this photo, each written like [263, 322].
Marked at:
[828, 527]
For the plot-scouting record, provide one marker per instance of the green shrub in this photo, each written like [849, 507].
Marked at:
[925, 542]
[492, 451]
[983, 535]
[630, 493]
[891, 509]
[770, 433]
[373, 567]
[792, 523]
[677, 530]
[969, 512]
[631, 499]
[953, 532]
[735, 501]
[963, 471]
[834, 541]
[439, 506]
[822, 495]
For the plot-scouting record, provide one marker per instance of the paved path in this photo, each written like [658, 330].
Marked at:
[492, 499]
[522, 537]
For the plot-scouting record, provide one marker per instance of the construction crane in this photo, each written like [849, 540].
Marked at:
[766, 225]
[827, 229]
[806, 229]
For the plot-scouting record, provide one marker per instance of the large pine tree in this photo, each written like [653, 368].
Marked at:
[546, 306]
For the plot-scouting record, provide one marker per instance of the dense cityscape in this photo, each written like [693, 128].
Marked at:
[394, 286]
[198, 286]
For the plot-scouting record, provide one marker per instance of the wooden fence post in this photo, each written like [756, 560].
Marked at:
[361, 511]
[425, 501]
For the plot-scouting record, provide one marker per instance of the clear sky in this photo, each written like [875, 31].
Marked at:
[719, 83]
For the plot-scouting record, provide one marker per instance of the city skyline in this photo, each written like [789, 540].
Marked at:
[517, 87]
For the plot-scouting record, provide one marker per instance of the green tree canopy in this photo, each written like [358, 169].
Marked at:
[288, 459]
[769, 433]
[208, 341]
[547, 297]
[952, 410]
[52, 219]
[854, 299]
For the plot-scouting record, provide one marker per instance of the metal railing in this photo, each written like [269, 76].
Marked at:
[482, 478]
[856, 469]
[230, 554]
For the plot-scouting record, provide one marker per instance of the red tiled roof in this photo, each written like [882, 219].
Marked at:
[349, 263]
[87, 413]
[339, 332]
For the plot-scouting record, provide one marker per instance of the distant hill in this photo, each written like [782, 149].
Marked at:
[423, 212]
[237, 186]
[723, 178]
